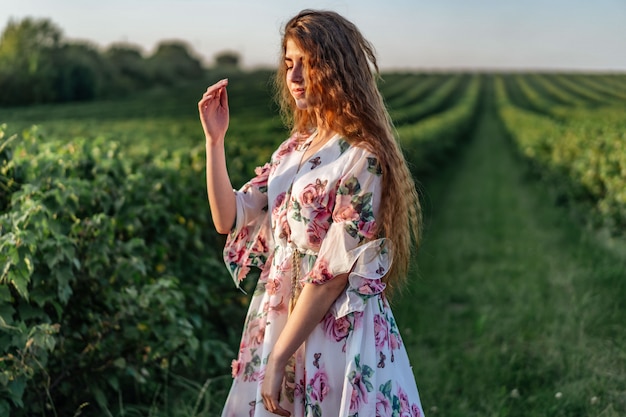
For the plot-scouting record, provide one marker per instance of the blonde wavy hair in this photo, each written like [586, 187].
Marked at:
[341, 72]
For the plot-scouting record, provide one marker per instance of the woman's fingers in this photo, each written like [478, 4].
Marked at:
[216, 91]
[273, 407]
[270, 389]
[223, 96]
[218, 85]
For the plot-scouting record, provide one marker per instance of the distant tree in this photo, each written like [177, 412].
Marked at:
[172, 61]
[84, 73]
[27, 52]
[38, 66]
[130, 69]
[227, 59]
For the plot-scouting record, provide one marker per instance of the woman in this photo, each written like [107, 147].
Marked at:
[319, 338]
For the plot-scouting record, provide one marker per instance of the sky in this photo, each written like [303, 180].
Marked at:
[581, 35]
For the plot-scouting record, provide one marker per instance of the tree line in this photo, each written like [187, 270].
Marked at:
[37, 65]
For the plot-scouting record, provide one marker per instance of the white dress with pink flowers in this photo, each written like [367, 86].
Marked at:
[319, 218]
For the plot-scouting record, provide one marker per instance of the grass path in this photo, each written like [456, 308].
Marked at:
[515, 311]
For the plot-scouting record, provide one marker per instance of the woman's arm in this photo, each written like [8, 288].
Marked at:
[214, 115]
[313, 303]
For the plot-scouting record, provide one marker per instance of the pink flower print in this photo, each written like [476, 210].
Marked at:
[273, 286]
[318, 386]
[320, 273]
[336, 329]
[243, 272]
[381, 331]
[278, 308]
[383, 406]
[361, 385]
[330, 197]
[371, 286]
[235, 367]
[317, 228]
[359, 393]
[256, 331]
[284, 266]
[415, 411]
[368, 229]
[260, 181]
[237, 250]
[278, 203]
[309, 195]
[405, 409]
[355, 401]
[260, 245]
[395, 340]
[285, 230]
[255, 376]
[260, 171]
[344, 210]
[287, 148]
[357, 320]
[298, 390]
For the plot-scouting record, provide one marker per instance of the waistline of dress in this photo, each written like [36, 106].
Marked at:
[282, 253]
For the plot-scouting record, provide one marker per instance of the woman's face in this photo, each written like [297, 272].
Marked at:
[294, 61]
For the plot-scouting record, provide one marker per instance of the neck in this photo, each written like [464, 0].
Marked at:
[323, 135]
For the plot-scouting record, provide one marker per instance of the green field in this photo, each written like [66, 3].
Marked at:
[514, 306]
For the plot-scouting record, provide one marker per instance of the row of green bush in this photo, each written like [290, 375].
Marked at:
[581, 152]
[428, 143]
[402, 90]
[111, 276]
[438, 99]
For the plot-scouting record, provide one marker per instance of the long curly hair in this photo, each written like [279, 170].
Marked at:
[341, 90]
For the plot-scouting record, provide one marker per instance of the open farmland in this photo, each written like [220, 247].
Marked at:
[114, 298]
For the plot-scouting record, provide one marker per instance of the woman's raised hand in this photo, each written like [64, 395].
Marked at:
[213, 108]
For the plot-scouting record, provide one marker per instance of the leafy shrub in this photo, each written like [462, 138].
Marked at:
[110, 276]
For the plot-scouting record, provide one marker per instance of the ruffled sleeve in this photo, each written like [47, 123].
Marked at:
[350, 245]
[248, 243]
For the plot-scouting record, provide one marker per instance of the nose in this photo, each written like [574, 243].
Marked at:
[297, 73]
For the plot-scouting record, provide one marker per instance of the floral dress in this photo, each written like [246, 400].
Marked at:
[306, 224]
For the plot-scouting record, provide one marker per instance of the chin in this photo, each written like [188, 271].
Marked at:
[301, 103]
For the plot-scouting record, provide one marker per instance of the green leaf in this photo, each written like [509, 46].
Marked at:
[64, 276]
[120, 363]
[5, 408]
[19, 281]
[101, 399]
[6, 318]
[5, 377]
[16, 389]
[385, 389]
[5, 294]
[374, 167]
[114, 382]
[350, 187]
[27, 313]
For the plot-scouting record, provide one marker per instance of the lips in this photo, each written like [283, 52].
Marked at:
[298, 91]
